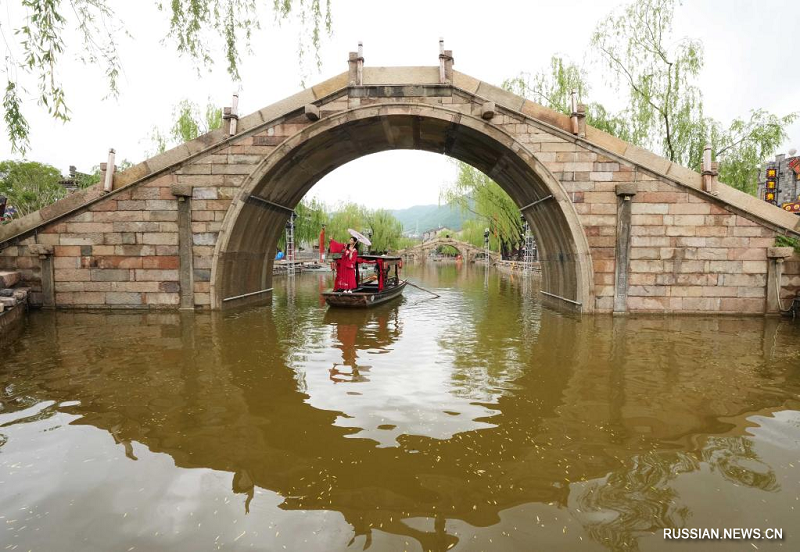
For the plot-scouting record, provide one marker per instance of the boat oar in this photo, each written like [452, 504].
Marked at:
[422, 289]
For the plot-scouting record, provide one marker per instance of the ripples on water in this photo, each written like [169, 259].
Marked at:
[478, 421]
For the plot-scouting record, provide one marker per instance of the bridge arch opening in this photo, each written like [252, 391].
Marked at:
[243, 258]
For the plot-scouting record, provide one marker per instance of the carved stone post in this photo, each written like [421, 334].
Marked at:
[625, 193]
[186, 272]
[775, 259]
[45, 253]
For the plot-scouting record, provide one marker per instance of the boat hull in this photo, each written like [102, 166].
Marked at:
[362, 299]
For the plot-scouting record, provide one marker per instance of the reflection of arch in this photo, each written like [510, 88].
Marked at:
[242, 260]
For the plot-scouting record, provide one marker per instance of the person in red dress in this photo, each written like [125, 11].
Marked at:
[346, 265]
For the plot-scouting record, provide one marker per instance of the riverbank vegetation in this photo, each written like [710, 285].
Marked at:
[384, 230]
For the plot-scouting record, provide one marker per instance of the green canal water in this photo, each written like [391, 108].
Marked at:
[476, 421]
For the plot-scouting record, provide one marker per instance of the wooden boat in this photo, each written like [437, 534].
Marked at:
[382, 286]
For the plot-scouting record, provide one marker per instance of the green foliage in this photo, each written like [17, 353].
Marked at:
[447, 250]
[344, 216]
[658, 75]
[472, 233]
[665, 108]
[475, 192]
[200, 29]
[42, 29]
[743, 147]
[86, 180]
[404, 242]
[553, 88]
[386, 230]
[312, 215]
[189, 123]
[29, 186]
[788, 241]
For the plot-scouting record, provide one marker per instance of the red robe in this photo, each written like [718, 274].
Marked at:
[345, 267]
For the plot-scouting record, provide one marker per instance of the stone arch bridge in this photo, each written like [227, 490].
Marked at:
[618, 228]
[467, 251]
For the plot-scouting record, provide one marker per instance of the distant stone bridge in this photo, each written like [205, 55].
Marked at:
[618, 229]
[467, 251]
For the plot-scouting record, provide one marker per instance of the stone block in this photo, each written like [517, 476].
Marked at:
[167, 250]
[110, 275]
[638, 208]
[687, 291]
[689, 208]
[662, 197]
[647, 266]
[162, 216]
[208, 238]
[720, 291]
[131, 205]
[67, 251]
[80, 298]
[181, 189]
[169, 287]
[135, 227]
[66, 262]
[162, 299]
[743, 305]
[747, 253]
[72, 275]
[754, 267]
[146, 275]
[144, 192]
[123, 298]
[701, 304]
[161, 205]
[160, 238]
[204, 192]
[647, 291]
[648, 304]
[115, 261]
[161, 262]
[82, 239]
[41, 249]
[780, 252]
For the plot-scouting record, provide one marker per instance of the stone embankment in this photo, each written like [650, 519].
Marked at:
[517, 266]
[13, 304]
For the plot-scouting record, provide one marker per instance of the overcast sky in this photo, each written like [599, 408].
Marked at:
[751, 52]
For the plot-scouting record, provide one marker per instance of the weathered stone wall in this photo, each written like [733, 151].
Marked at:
[688, 250]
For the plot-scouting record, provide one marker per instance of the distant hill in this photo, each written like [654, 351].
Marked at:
[424, 217]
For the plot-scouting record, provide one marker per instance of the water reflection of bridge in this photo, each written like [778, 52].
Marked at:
[575, 414]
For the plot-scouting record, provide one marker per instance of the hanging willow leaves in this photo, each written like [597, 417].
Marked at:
[657, 76]
[474, 192]
[199, 29]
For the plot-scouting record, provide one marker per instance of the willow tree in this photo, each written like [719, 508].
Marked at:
[553, 87]
[474, 192]
[657, 75]
[386, 230]
[665, 106]
[189, 123]
[39, 36]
